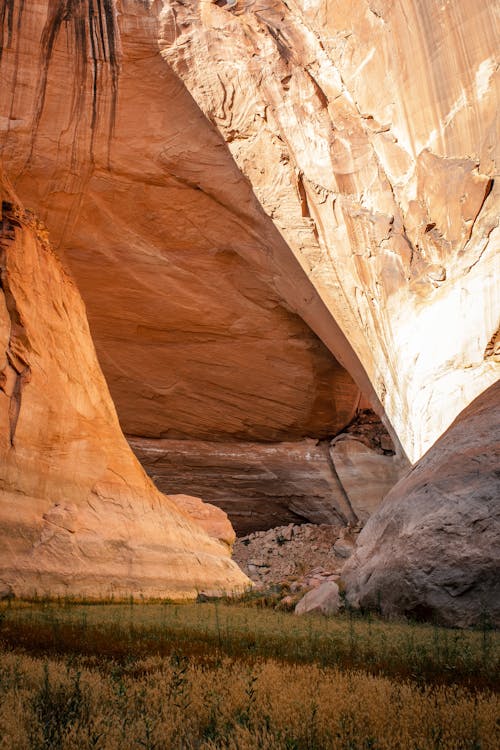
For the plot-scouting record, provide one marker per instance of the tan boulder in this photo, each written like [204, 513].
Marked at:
[78, 516]
[432, 549]
[324, 600]
[211, 518]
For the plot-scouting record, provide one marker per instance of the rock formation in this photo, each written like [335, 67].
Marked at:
[78, 516]
[273, 211]
[432, 550]
[210, 517]
[264, 485]
[324, 600]
[369, 132]
[146, 205]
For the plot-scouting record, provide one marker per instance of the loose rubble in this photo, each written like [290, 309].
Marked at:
[296, 557]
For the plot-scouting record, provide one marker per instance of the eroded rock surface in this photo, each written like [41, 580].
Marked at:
[161, 231]
[213, 519]
[258, 485]
[369, 133]
[264, 485]
[432, 550]
[78, 516]
[365, 474]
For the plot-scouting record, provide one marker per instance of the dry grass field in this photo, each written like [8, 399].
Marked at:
[210, 676]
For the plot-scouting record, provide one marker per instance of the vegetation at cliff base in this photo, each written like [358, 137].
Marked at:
[228, 676]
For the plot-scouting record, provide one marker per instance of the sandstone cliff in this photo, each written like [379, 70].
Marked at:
[268, 210]
[369, 131]
[78, 516]
[161, 230]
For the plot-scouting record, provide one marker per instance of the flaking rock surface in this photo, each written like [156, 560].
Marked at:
[78, 516]
[432, 549]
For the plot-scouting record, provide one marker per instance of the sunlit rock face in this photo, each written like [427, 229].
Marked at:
[431, 550]
[161, 230]
[368, 130]
[78, 516]
[223, 183]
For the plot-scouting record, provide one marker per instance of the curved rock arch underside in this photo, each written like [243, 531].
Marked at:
[276, 213]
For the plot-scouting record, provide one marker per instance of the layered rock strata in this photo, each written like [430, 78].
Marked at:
[263, 485]
[78, 516]
[432, 550]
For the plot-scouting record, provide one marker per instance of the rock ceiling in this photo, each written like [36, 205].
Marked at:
[341, 178]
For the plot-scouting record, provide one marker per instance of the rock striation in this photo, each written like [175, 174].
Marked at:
[369, 133]
[259, 485]
[432, 549]
[78, 516]
[264, 485]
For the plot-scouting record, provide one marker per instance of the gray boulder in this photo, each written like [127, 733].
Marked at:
[432, 549]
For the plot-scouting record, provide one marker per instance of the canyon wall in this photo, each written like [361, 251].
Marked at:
[147, 207]
[78, 516]
[263, 485]
[271, 212]
[344, 175]
[369, 131]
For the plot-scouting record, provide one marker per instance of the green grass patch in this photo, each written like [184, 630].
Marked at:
[423, 653]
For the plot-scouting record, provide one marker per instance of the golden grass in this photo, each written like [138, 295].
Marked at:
[213, 676]
[162, 702]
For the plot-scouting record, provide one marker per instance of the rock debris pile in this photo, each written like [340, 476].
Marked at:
[299, 556]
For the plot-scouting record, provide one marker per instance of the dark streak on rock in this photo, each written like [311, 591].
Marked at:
[318, 90]
[304, 203]
[6, 18]
[90, 25]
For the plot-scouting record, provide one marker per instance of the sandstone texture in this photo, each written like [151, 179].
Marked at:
[161, 230]
[264, 485]
[366, 475]
[212, 519]
[259, 485]
[432, 550]
[369, 131]
[78, 516]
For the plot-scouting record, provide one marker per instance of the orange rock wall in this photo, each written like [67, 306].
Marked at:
[78, 516]
[161, 230]
[223, 182]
